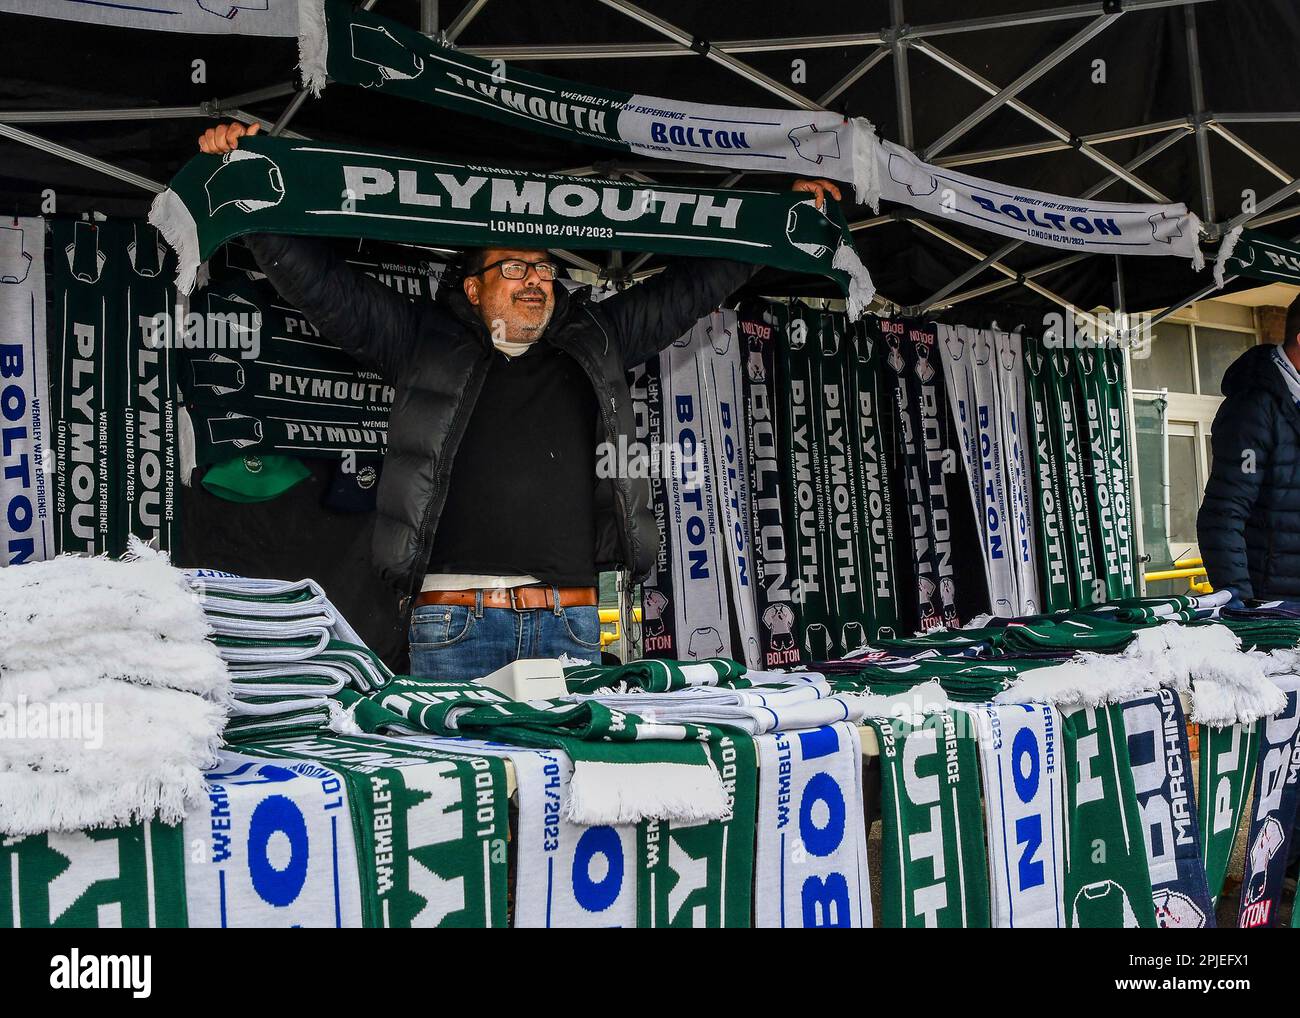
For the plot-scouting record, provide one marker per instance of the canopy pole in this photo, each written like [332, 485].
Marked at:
[1002, 96]
[462, 19]
[72, 155]
[429, 17]
[1198, 110]
[1045, 123]
[902, 80]
[690, 43]
[1036, 148]
[1003, 284]
[1249, 150]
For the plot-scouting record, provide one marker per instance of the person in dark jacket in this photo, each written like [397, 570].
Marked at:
[491, 519]
[1249, 524]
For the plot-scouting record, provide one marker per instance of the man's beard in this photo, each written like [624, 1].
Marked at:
[527, 330]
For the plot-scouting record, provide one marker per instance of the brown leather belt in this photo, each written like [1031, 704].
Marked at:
[518, 598]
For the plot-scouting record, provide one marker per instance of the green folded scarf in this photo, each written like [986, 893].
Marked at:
[624, 768]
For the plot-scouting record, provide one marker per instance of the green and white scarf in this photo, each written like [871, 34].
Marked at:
[1259, 256]
[431, 829]
[654, 675]
[625, 769]
[126, 877]
[112, 412]
[701, 875]
[566, 876]
[935, 867]
[270, 185]
[1107, 880]
[1050, 500]
[1070, 434]
[1095, 451]
[1226, 771]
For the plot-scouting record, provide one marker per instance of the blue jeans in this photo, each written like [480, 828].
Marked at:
[452, 643]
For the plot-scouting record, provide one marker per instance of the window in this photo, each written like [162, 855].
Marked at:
[1216, 349]
[1186, 362]
[1168, 365]
[1185, 485]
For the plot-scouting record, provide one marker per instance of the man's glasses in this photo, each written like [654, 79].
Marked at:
[517, 268]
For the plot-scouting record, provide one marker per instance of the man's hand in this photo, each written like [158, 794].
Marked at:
[225, 137]
[819, 188]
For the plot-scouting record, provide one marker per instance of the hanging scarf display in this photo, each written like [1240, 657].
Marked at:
[928, 408]
[658, 595]
[717, 347]
[1046, 481]
[901, 364]
[697, 555]
[1090, 396]
[1010, 369]
[980, 446]
[804, 470]
[26, 507]
[271, 185]
[833, 427]
[1120, 464]
[1089, 588]
[775, 579]
[113, 375]
[873, 480]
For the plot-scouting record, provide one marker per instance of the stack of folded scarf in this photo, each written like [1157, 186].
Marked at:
[289, 651]
[654, 675]
[762, 708]
[112, 697]
[625, 768]
[962, 680]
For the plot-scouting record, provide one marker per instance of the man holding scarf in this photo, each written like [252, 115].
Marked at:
[491, 522]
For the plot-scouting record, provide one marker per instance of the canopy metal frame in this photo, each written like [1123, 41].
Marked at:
[894, 41]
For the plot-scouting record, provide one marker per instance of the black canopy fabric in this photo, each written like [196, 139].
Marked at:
[1246, 52]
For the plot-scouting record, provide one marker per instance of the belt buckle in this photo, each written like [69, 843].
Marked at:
[514, 599]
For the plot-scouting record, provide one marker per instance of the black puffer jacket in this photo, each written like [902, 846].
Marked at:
[437, 357]
[1249, 523]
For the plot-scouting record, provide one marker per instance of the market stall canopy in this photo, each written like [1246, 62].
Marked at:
[1156, 100]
